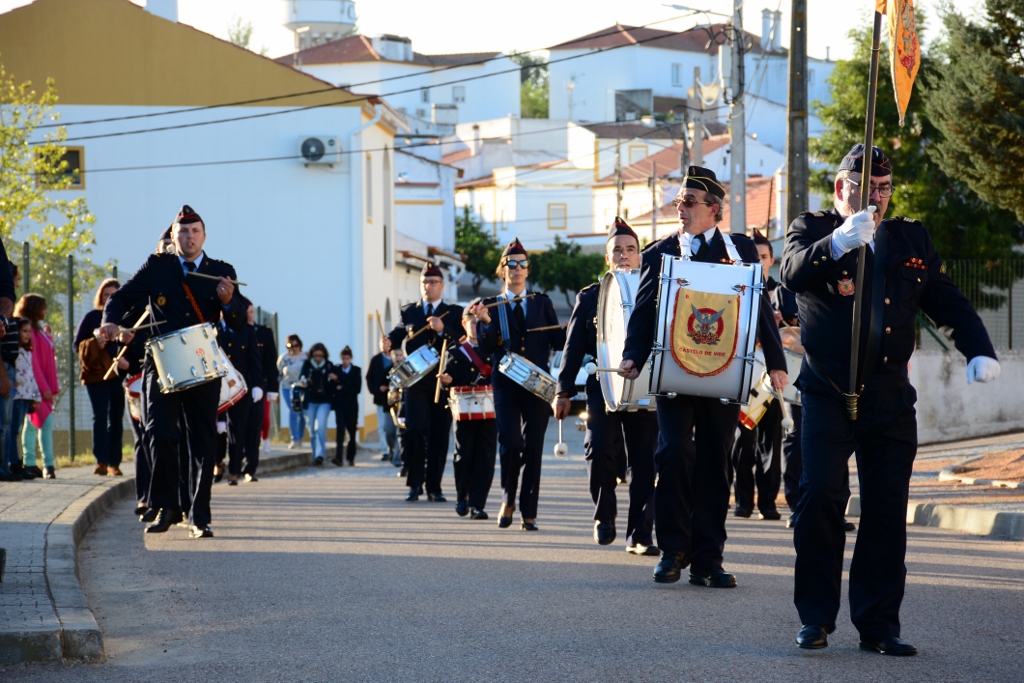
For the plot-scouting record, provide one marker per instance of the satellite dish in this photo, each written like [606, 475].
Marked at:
[313, 149]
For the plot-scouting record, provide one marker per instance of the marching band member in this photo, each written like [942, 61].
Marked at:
[695, 433]
[180, 302]
[637, 431]
[428, 425]
[242, 350]
[904, 275]
[476, 441]
[522, 417]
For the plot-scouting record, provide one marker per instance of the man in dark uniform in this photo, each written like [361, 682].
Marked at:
[695, 434]
[903, 274]
[428, 425]
[244, 353]
[377, 384]
[609, 433]
[179, 302]
[259, 427]
[522, 416]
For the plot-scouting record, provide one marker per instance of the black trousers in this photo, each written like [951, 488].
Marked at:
[107, 400]
[238, 433]
[885, 441]
[428, 427]
[792, 457]
[253, 431]
[181, 435]
[522, 421]
[346, 415]
[476, 447]
[753, 450]
[695, 438]
[142, 464]
[609, 437]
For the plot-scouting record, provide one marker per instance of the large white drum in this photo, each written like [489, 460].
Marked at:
[232, 388]
[614, 306]
[187, 357]
[415, 367]
[471, 403]
[707, 326]
[528, 376]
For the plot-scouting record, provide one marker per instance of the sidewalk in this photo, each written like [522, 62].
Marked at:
[43, 614]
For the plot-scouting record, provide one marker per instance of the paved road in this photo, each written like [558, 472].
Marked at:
[328, 575]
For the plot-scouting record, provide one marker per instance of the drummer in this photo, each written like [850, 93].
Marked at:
[242, 350]
[522, 417]
[695, 434]
[428, 425]
[179, 302]
[638, 431]
[476, 440]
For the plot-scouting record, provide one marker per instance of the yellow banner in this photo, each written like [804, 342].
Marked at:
[904, 51]
[705, 328]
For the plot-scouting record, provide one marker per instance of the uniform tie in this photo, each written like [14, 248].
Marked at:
[699, 247]
[430, 309]
[190, 267]
[517, 311]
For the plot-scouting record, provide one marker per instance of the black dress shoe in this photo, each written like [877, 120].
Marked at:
[462, 508]
[403, 472]
[165, 519]
[770, 514]
[141, 509]
[716, 578]
[671, 565]
[217, 476]
[849, 526]
[504, 522]
[813, 637]
[529, 526]
[232, 482]
[889, 645]
[436, 498]
[199, 532]
[477, 514]
[743, 512]
[337, 462]
[413, 496]
[604, 532]
[643, 549]
[251, 478]
[149, 515]
[318, 462]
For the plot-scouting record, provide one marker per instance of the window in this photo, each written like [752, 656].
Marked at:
[388, 184]
[369, 187]
[73, 172]
[425, 95]
[458, 94]
[637, 153]
[677, 75]
[557, 219]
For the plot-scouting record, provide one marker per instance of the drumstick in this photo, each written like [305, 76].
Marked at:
[424, 328]
[510, 301]
[113, 366]
[440, 370]
[787, 421]
[96, 332]
[592, 369]
[380, 325]
[548, 327]
[214, 277]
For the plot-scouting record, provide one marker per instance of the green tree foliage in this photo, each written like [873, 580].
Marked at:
[962, 225]
[977, 103]
[480, 248]
[240, 34]
[533, 88]
[565, 267]
[34, 177]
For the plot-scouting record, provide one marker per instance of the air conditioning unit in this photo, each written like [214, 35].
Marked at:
[320, 149]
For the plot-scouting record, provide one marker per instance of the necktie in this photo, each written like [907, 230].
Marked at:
[190, 267]
[430, 309]
[517, 311]
[699, 247]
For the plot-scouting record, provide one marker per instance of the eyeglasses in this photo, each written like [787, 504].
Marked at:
[688, 202]
[522, 263]
[884, 191]
[432, 282]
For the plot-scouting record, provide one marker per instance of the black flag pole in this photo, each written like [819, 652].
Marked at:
[853, 393]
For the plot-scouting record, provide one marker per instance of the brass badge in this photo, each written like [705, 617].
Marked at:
[161, 300]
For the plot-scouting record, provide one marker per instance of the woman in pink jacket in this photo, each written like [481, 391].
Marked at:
[39, 425]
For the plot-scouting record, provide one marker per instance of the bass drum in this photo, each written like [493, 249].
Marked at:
[614, 306]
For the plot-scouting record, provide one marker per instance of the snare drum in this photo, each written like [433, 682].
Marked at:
[471, 403]
[614, 306]
[707, 326]
[133, 396]
[793, 362]
[414, 368]
[232, 388]
[528, 376]
[187, 357]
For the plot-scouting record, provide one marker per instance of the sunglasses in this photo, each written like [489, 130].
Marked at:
[688, 202]
[522, 263]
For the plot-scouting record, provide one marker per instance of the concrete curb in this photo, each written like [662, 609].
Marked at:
[972, 520]
[950, 474]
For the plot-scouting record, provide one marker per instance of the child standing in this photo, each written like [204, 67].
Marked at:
[26, 391]
[39, 426]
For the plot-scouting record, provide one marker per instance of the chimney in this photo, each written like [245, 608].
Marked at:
[777, 36]
[826, 52]
[478, 144]
[167, 9]
[766, 29]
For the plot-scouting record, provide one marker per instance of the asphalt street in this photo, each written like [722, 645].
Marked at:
[329, 575]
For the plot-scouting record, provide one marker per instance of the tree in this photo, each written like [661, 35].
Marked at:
[977, 104]
[961, 224]
[240, 34]
[564, 266]
[533, 88]
[480, 248]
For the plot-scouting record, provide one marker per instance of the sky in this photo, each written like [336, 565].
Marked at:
[446, 26]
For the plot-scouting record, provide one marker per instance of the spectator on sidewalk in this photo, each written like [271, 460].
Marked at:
[347, 383]
[317, 401]
[289, 367]
[23, 398]
[106, 394]
[39, 427]
[377, 384]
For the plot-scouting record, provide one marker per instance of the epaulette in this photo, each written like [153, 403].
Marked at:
[540, 295]
[907, 220]
[655, 243]
[410, 305]
[590, 286]
[812, 214]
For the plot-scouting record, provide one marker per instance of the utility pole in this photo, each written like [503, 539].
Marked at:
[738, 130]
[654, 202]
[684, 133]
[697, 104]
[618, 179]
[796, 135]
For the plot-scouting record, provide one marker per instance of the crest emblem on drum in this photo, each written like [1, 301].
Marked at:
[705, 325]
[705, 330]
[846, 286]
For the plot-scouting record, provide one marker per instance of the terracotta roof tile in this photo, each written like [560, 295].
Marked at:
[359, 48]
[691, 40]
[662, 163]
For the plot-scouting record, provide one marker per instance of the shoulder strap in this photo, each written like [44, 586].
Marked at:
[481, 366]
[730, 248]
[192, 300]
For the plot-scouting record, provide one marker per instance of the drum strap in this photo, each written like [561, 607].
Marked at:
[481, 366]
[730, 248]
[503, 323]
[195, 306]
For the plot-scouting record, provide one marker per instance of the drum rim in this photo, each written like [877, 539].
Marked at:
[174, 333]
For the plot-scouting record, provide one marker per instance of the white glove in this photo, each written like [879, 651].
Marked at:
[857, 230]
[272, 396]
[983, 369]
[257, 394]
[222, 427]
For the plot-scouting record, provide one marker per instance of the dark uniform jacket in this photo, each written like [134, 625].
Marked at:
[348, 386]
[463, 371]
[643, 321]
[580, 340]
[377, 377]
[534, 346]
[161, 279]
[268, 358]
[318, 389]
[413, 315]
[243, 352]
[784, 301]
[915, 279]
